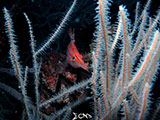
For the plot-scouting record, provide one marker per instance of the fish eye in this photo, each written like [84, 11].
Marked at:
[73, 58]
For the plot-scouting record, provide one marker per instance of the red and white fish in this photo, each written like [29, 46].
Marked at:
[74, 58]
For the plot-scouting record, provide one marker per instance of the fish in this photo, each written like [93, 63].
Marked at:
[74, 58]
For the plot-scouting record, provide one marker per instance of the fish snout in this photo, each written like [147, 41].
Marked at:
[85, 67]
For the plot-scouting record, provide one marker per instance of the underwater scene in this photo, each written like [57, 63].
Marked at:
[79, 60]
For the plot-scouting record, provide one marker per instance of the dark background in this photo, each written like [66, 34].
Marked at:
[45, 15]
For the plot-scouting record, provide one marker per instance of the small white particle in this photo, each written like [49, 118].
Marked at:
[77, 20]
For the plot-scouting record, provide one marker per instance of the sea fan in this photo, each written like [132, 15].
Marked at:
[124, 64]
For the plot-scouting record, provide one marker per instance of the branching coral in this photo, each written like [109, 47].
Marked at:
[123, 88]
[124, 67]
[16, 63]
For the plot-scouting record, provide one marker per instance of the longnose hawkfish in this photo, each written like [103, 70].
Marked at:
[74, 58]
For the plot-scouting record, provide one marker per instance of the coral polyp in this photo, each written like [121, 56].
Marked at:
[113, 81]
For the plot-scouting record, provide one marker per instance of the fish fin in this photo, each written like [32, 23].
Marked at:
[72, 34]
[80, 56]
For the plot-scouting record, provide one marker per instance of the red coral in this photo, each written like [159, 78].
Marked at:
[52, 81]
[55, 74]
[70, 76]
[54, 66]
